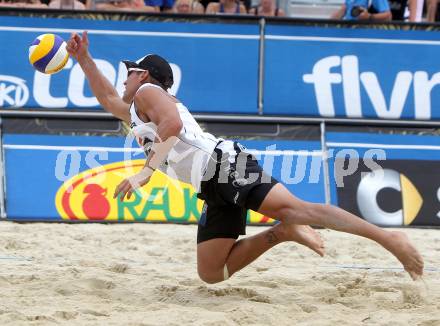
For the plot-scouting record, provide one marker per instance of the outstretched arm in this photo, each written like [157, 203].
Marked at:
[104, 91]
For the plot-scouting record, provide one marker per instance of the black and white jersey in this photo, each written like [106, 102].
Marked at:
[188, 159]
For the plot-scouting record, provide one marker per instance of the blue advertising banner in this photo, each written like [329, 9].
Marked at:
[351, 73]
[215, 66]
[386, 179]
[308, 70]
[74, 177]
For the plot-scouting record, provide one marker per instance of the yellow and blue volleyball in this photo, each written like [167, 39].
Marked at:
[48, 53]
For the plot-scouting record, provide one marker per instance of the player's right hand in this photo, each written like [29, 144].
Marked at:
[129, 185]
[78, 46]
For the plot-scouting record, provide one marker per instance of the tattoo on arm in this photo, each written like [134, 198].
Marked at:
[271, 237]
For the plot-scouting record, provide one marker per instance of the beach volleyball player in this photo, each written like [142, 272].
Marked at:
[227, 178]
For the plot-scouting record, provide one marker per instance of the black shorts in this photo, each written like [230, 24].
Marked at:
[228, 198]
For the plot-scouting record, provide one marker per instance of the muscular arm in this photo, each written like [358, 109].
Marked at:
[105, 93]
[101, 87]
[162, 110]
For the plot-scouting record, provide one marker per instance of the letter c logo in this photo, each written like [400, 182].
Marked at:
[369, 188]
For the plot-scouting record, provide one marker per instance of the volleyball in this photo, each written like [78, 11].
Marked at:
[48, 53]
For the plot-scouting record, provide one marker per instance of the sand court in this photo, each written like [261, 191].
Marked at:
[146, 274]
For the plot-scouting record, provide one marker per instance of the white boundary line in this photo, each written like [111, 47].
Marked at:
[131, 33]
[379, 268]
[349, 40]
[366, 145]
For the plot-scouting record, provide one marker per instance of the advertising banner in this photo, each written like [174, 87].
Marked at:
[401, 193]
[73, 178]
[351, 73]
[386, 179]
[313, 70]
[215, 66]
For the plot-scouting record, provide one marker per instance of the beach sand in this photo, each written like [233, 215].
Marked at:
[145, 274]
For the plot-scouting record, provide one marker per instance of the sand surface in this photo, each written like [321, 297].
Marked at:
[144, 274]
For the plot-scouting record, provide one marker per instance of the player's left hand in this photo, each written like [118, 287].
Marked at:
[129, 185]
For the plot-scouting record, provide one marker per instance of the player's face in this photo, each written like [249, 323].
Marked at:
[132, 84]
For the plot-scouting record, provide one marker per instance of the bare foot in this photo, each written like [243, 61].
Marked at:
[305, 235]
[406, 253]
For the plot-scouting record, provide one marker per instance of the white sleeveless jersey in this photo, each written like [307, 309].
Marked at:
[188, 159]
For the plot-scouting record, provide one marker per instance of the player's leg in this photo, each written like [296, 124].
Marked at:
[279, 203]
[217, 258]
[220, 226]
[211, 258]
[224, 219]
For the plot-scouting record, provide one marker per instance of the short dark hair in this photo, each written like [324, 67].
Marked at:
[158, 83]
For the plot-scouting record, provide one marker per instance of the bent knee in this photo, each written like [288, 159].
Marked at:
[210, 276]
